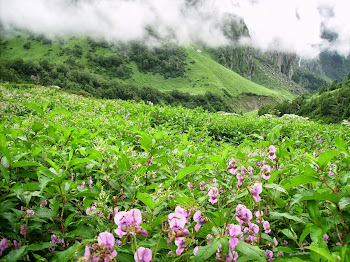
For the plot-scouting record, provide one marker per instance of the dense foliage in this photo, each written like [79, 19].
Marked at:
[329, 104]
[102, 179]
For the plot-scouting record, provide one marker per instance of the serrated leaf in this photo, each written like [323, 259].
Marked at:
[185, 171]
[322, 196]
[300, 180]
[146, 199]
[251, 252]
[207, 251]
[66, 255]
[37, 127]
[77, 161]
[322, 252]
[325, 157]
[24, 163]
[15, 254]
[286, 215]
[313, 210]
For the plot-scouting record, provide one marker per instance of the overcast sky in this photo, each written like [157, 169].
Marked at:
[285, 25]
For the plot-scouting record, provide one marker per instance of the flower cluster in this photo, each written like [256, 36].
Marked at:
[177, 230]
[129, 222]
[104, 250]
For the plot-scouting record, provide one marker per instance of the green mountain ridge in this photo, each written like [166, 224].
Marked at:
[190, 70]
[329, 104]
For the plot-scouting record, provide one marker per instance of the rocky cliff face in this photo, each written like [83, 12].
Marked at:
[283, 62]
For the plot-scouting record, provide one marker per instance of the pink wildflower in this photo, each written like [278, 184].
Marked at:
[197, 217]
[181, 245]
[272, 152]
[232, 166]
[266, 226]
[256, 191]
[24, 229]
[143, 255]
[213, 194]
[243, 214]
[90, 209]
[3, 245]
[201, 185]
[185, 212]
[195, 250]
[265, 172]
[129, 222]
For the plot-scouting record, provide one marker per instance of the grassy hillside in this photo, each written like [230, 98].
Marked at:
[197, 73]
[329, 104]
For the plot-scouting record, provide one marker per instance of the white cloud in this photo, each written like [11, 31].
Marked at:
[290, 25]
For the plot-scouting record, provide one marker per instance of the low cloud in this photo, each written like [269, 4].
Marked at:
[292, 26]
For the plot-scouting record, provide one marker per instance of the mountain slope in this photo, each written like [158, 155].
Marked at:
[329, 105]
[189, 69]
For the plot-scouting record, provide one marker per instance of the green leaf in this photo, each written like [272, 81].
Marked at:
[77, 161]
[41, 246]
[322, 252]
[288, 233]
[185, 171]
[304, 235]
[123, 163]
[253, 253]
[24, 163]
[313, 210]
[285, 250]
[325, 157]
[207, 251]
[146, 142]
[146, 199]
[37, 127]
[15, 254]
[300, 180]
[344, 202]
[67, 254]
[58, 111]
[276, 187]
[322, 196]
[286, 215]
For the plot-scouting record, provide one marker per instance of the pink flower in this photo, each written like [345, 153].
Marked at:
[189, 186]
[129, 222]
[243, 214]
[87, 253]
[253, 229]
[16, 244]
[177, 220]
[195, 250]
[213, 194]
[89, 181]
[29, 214]
[107, 240]
[24, 229]
[240, 179]
[265, 172]
[250, 170]
[234, 230]
[180, 243]
[143, 255]
[185, 212]
[197, 217]
[90, 209]
[275, 241]
[256, 191]
[201, 185]
[272, 152]
[266, 226]
[325, 238]
[232, 166]
[269, 255]
[3, 245]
